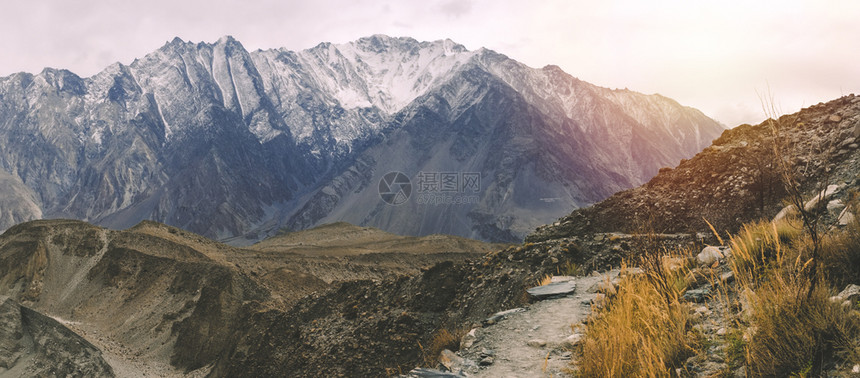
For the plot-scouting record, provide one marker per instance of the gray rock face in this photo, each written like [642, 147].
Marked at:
[226, 142]
[32, 344]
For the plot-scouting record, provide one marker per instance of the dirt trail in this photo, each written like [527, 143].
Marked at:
[532, 343]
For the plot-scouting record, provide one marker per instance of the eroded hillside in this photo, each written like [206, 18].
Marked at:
[159, 301]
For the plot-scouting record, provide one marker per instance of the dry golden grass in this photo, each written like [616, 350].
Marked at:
[792, 333]
[784, 329]
[760, 246]
[441, 340]
[545, 280]
[790, 330]
[637, 334]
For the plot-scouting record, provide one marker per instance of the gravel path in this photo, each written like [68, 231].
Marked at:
[532, 343]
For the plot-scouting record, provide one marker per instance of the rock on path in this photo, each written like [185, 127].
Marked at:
[531, 343]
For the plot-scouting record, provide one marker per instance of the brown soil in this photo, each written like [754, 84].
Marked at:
[159, 301]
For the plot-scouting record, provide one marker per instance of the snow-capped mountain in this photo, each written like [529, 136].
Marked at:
[226, 142]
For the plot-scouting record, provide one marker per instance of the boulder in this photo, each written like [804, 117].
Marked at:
[747, 298]
[835, 205]
[536, 343]
[709, 256]
[824, 195]
[845, 217]
[455, 363]
[468, 339]
[605, 287]
[787, 211]
[573, 340]
[557, 289]
[695, 278]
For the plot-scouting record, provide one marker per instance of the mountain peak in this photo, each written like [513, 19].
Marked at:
[379, 43]
[227, 39]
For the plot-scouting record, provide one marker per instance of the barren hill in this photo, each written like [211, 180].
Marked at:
[159, 301]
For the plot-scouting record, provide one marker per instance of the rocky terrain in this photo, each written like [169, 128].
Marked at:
[34, 345]
[158, 301]
[735, 180]
[229, 143]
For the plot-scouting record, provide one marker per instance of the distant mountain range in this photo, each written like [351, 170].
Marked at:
[236, 145]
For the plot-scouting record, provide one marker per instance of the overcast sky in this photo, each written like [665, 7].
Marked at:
[712, 55]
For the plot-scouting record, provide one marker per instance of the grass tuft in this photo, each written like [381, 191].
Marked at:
[637, 334]
[795, 334]
[441, 340]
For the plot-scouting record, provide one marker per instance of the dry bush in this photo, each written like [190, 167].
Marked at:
[794, 333]
[792, 327]
[638, 334]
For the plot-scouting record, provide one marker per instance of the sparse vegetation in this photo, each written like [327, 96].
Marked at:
[569, 269]
[638, 334]
[441, 340]
[840, 255]
[791, 326]
[777, 327]
[791, 333]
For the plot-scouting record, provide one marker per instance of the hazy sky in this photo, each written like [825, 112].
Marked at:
[712, 55]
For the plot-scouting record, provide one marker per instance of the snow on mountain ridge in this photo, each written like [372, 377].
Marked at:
[381, 71]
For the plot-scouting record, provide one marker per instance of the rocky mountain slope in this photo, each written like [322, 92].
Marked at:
[34, 345]
[736, 179]
[158, 301]
[225, 142]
